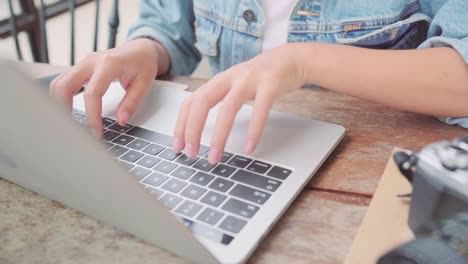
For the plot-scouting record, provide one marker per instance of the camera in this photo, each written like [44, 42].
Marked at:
[438, 214]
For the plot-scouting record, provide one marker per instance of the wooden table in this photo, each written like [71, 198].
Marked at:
[318, 228]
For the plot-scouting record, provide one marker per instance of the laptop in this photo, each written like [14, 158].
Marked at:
[131, 179]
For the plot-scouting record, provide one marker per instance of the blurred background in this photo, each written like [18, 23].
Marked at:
[57, 15]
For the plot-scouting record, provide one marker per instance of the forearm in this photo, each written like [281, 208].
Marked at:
[430, 81]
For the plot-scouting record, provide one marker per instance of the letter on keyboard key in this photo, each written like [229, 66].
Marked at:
[213, 199]
[109, 135]
[259, 167]
[155, 179]
[174, 185]
[117, 150]
[223, 170]
[250, 194]
[183, 172]
[170, 201]
[240, 162]
[203, 165]
[256, 180]
[132, 156]
[189, 208]
[155, 192]
[193, 192]
[210, 216]
[138, 144]
[232, 224]
[140, 172]
[148, 161]
[169, 154]
[153, 149]
[201, 178]
[221, 185]
[279, 173]
[123, 140]
[165, 167]
[184, 160]
[240, 208]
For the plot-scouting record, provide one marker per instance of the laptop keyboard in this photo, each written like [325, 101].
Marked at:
[214, 201]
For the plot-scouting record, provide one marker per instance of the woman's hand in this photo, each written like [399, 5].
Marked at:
[262, 79]
[135, 64]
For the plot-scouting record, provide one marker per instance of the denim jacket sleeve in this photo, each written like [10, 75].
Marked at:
[170, 22]
[449, 29]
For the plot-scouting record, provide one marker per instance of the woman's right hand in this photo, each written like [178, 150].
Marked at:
[135, 64]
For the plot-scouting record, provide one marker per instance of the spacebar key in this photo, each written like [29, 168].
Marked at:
[151, 136]
[256, 180]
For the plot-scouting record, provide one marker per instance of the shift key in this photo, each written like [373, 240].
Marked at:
[256, 180]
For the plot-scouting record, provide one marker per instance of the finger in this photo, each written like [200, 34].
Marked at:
[135, 93]
[96, 88]
[215, 84]
[207, 97]
[225, 119]
[69, 83]
[262, 106]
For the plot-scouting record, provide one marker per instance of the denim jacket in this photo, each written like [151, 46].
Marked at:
[229, 32]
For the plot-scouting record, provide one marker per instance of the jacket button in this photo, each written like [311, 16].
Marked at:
[249, 15]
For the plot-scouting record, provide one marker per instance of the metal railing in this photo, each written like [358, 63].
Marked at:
[32, 20]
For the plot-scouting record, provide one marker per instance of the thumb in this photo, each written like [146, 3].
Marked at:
[132, 99]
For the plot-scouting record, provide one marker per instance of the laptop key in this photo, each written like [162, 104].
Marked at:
[189, 208]
[107, 145]
[106, 122]
[279, 173]
[139, 172]
[127, 165]
[240, 208]
[132, 156]
[151, 136]
[165, 167]
[123, 140]
[213, 199]
[250, 194]
[119, 128]
[174, 185]
[223, 170]
[184, 160]
[193, 192]
[110, 135]
[153, 149]
[232, 224]
[256, 180]
[155, 192]
[210, 216]
[155, 179]
[203, 165]
[117, 150]
[259, 167]
[240, 162]
[203, 150]
[148, 161]
[138, 144]
[169, 154]
[201, 178]
[183, 172]
[170, 201]
[221, 185]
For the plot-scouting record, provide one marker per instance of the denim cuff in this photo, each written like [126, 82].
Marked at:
[179, 62]
[460, 45]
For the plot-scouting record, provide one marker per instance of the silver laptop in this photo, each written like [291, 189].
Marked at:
[133, 180]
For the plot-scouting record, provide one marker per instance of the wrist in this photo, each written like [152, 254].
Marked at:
[302, 58]
[157, 51]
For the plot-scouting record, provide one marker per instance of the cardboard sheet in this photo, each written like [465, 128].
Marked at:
[385, 224]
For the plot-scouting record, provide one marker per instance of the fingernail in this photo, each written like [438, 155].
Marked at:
[178, 145]
[190, 151]
[214, 156]
[124, 118]
[249, 147]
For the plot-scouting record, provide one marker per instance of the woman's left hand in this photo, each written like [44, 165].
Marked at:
[261, 79]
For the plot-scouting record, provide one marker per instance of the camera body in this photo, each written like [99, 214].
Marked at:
[438, 213]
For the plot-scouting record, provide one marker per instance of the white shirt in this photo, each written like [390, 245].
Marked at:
[277, 13]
